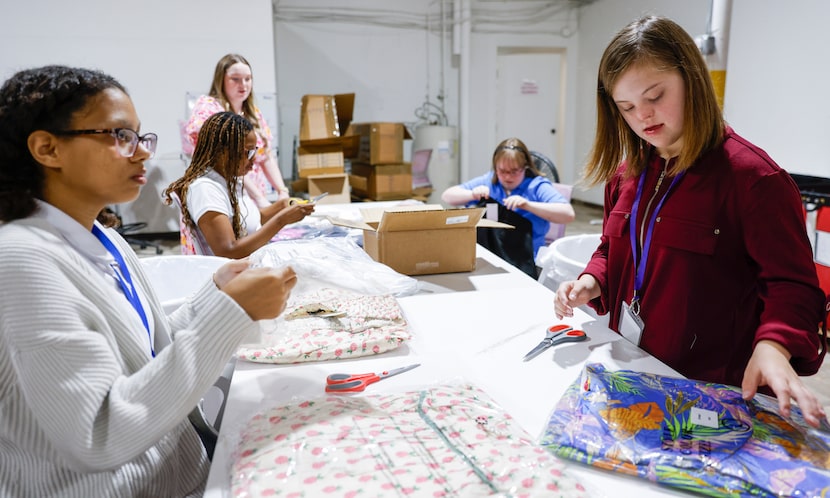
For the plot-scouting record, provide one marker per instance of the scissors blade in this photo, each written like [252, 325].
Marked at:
[397, 371]
[545, 344]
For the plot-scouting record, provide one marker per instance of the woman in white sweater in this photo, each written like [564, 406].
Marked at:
[96, 383]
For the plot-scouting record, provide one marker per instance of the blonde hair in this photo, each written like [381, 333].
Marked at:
[217, 90]
[662, 43]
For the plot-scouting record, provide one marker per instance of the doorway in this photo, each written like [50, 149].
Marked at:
[530, 101]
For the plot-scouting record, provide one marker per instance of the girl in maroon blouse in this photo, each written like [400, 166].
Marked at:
[704, 260]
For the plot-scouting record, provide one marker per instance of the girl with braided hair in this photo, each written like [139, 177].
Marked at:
[218, 217]
[100, 389]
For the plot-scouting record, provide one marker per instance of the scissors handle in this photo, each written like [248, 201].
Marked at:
[570, 336]
[354, 384]
[340, 378]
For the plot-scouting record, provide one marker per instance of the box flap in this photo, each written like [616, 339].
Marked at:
[345, 109]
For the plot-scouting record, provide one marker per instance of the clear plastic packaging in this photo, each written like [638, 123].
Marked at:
[439, 441]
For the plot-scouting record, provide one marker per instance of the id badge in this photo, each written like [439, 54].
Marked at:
[631, 325]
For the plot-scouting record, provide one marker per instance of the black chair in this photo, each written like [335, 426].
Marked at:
[125, 230]
[545, 166]
[514, 245]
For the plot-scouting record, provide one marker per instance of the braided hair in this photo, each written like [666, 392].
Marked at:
[221, 147]
[43, 98]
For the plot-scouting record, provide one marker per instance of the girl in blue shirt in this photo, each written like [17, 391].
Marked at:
[516, 184]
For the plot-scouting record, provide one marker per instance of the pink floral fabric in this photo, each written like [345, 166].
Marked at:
[367, 325]
[206, 107]
[443, 441]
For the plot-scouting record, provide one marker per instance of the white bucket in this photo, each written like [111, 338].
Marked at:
[566, 258]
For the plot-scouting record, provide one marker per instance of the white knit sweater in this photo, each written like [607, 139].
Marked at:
[85, 411]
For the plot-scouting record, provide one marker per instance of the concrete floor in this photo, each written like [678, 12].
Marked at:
[588, 220]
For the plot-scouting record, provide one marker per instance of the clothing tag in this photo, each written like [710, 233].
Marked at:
[706, 418]
[631, 325]
[492, 211]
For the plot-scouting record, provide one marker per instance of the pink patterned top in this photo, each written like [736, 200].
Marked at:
[206, 107]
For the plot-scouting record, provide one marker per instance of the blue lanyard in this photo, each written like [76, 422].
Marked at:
[122, 275]
[640, 260]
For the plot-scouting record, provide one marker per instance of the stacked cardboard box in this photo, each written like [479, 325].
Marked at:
[378, 170]
[324, 146]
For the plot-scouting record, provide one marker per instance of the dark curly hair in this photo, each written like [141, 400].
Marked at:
[221, 147]
[43, 98]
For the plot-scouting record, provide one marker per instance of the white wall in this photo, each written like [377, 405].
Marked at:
[158, 49]
[777, 81]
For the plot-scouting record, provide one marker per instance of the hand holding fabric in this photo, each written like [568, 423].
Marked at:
[770, 366]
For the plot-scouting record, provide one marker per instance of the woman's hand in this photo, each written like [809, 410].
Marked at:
[770, 366]
[294, 212]
[574, 293]
[515, 202]
[480, 192]
[261, 292]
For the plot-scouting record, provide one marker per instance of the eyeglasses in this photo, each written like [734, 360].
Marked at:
[126, 140]
[510, 172]
[251, 153]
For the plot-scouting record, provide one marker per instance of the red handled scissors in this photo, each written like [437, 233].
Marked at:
[352, 383]
[557, 334]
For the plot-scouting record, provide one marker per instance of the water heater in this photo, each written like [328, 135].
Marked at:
[443, 166]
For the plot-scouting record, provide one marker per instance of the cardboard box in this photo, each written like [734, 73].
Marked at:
[382, 182]
[319, 160]
[325, 116]
[422, 240]
[336, 185]
[380, 143]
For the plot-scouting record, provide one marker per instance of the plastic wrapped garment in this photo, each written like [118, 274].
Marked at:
[329, 324]
[442, 441]
[687, 434]
[334, 262]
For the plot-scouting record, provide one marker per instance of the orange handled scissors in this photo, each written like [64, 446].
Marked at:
[557, 334]
[352, 383]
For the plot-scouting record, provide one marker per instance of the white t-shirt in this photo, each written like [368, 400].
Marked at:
[210, 193]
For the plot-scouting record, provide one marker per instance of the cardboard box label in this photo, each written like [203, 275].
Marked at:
[455, 220]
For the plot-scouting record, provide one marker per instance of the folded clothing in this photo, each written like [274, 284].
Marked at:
[697, 436]
[442, 441]
[331, 324]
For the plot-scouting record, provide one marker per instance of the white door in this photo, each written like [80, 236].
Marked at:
[530, 99]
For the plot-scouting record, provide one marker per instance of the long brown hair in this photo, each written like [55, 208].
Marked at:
[221, 147]
[664, 44]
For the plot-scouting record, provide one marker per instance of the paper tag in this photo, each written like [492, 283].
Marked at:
[631, 325]
[492, 211]
[822, 248]
[706, 418]
[455, 220]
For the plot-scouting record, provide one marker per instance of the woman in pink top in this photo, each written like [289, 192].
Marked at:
[232, 90]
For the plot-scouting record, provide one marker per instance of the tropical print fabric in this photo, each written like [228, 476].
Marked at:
[687, 434]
